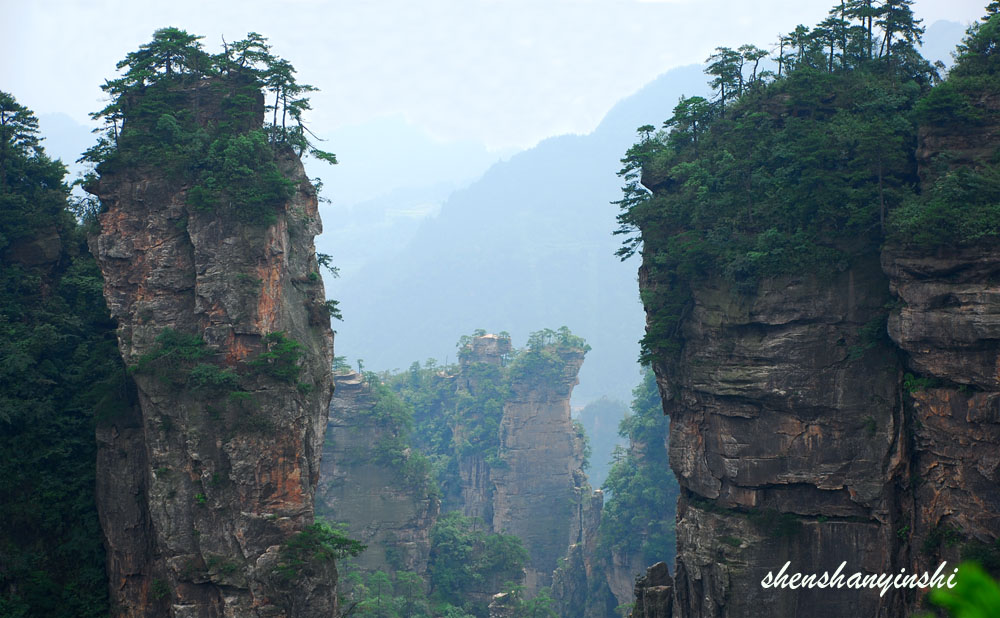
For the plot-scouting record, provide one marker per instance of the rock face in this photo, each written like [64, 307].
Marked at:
[223, 326]
[585, 583]
[801, 433]
[948, 323]
[536, 487]
[122, 486]
[392, 517]
[786, 439]
[654, 593]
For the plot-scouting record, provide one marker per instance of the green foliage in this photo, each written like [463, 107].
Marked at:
[541, 606]
[460, 418]
[318, 543]
[210, 376]
[228, 163]
[280, 360]
[384, 595]
[781, 174]
[60, 371]
[975, 595]
[914, 384]
[958, 205]
[639, 512]
[465, 559]
[869, 336]
[332, 309]
[172, 356]
[581, 433]
[241, 169]
[395, 419]
[159, 589]
[542, 361]
[946, 535]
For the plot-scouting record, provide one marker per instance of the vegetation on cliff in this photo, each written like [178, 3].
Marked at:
[792, 171]
[457, 409]
[431, 419]
[59, 374]
[638, 515]
[959, 204]
[228, 162]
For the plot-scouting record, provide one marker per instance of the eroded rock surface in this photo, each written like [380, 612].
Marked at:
[226, 471]
[392, 517]
[948, 323]
[542, 455]
[787, 440]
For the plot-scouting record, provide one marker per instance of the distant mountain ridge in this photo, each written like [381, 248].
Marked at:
[527, 246]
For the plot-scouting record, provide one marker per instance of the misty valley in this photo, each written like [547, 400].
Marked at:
[755, 339]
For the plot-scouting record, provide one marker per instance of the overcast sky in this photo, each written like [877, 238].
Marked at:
[504, 73]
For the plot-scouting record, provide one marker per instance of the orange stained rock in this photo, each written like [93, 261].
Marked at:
[236, 348]
[280, 477]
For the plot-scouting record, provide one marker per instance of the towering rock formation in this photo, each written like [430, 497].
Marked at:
[381, 508]
[946, 320]
[801, 433]
[517, 463]
[479, 361]
[222, 325]
[787, 440]
[536, 485]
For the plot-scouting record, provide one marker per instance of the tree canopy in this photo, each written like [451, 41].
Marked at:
[60, 373]
[782, 172]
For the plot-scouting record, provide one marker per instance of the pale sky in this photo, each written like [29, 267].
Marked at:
[504, 73]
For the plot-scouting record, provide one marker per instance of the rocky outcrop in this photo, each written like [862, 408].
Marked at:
[392, 517]
[787, 438]
[221, 323]
[948, 323]
[585, 583]
[482, 354]
[801, 433]
[654, 593]
[536, 486]
[122, 487]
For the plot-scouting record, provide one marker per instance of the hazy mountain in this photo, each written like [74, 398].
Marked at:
[527, 246]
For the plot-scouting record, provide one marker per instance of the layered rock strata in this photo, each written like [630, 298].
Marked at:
[787, 440]
[801, 433]
[222, 323]
[536, 487]
[393, 518]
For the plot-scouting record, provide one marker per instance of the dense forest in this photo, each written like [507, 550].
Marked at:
[61, 375]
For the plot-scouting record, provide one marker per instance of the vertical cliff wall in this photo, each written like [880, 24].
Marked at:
[786, 438]
[847, 413]
[480, 366]
[382, 509]
[946, 320]
[541, 458]
[221, 323]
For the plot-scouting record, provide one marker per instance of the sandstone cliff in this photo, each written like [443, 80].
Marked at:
[508, 453]
[541, 457]
[787, 441]
[841, 416]
[382, 510]
[221, 323]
